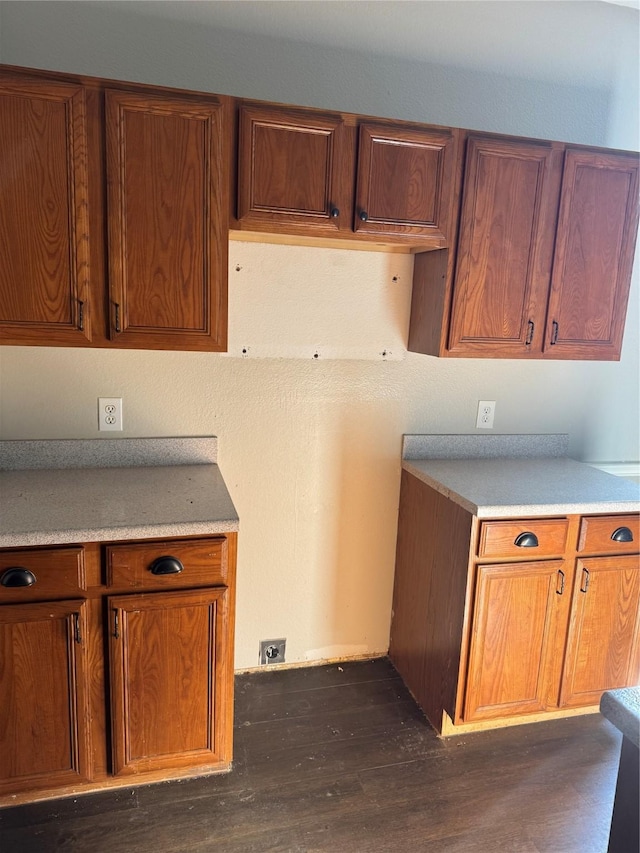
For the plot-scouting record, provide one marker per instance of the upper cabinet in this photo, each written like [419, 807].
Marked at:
[158, 281]
[307, 173]
[542, 265]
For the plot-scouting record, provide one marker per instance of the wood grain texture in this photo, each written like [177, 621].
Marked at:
[604, 631]
[596, 534]
[59, 573]
[405, 181]
[518, 608]
[597, 229]
[504, 248]
[430, 297]
[432, 559]
[167, 221]
[44, 228]
[44, 722]
[498, 538]
[166, 656]
[204, 563]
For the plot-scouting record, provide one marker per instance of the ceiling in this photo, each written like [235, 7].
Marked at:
[531, 38]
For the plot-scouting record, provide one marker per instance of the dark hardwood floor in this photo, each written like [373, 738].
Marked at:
[339, 758]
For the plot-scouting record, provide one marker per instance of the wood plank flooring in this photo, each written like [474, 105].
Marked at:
[340, 759]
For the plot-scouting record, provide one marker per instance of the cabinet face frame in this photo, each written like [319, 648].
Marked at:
[40, 204]
[65, 623]
[169, 240]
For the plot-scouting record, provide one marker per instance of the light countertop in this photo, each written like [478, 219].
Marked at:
[524, 484]
[46, 506]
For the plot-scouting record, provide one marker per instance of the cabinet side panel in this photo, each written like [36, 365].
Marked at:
[429, 300]
[432, 560]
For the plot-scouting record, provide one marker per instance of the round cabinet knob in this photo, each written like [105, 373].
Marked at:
[364, 215]
[166, 566]
[526, 540]
[17, 576]
[335, 212]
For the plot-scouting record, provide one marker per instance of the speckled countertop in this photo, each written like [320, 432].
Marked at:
[535, 480]
[622, 708]
[154, 492]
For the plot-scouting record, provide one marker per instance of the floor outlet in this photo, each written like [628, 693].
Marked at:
[109, 413]
[272, 651]
[486, 413]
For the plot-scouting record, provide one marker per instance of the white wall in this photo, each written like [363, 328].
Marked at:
[310, 448]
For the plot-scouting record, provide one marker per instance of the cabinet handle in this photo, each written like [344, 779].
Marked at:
[116, 624]
[561, 590]
[335, 212]
[622, 534]
[526, 540]
[166, 566]
[81, 315]
[77, 636]
[364, 215]
[584, 585]
[118, 328]
[554, 333]
[17, 576]
[531, 326]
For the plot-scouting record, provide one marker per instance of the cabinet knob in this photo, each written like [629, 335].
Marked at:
[526, 540]
[622, 534]
[166, 566]
[335, 212]
[17, 576]
[364, 215]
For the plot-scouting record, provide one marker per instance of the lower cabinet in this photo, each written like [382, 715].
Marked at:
[132, 677]
[519, 617]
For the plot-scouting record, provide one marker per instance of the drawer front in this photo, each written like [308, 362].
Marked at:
[170, 564]
[610, 534]
[41, 573]
[530, 538]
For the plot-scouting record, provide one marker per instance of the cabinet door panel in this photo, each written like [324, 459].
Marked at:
[293, 169]
[515, 649]
[169, 680]
[167, 222]
[405, 181]
[593, 257]
[504, 251]
[44, 229]
[604, 632]
[43, 710]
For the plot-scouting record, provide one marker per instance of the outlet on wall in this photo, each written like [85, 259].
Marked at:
[486, 413]
[110, 413]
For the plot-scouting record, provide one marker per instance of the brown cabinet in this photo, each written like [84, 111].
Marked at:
[82, 157]
[307, 172]
[510, 618]
[133, 677]
[542, 266]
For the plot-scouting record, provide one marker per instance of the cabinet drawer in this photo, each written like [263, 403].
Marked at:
[530, 538]
[39, 573]
[172, 563]
[610, 534]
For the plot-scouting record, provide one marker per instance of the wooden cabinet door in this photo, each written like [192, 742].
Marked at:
[603, 647]
[295, 168]
[504, 250]
[405, 182]
[516, 642]
[168, 221]
[44, 228]
[171, 680]
[44, 712]
[593, 255]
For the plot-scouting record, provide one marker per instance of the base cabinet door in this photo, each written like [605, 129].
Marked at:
[604, 634]
[44, 713]
[514, 657]
[168, 679]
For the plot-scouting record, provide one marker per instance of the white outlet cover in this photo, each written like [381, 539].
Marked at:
[110, 414]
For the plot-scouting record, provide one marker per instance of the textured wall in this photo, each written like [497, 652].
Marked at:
[310, 448]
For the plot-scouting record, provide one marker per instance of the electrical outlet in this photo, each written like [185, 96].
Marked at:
[272, 651]
[486, 413]
[109, 413]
